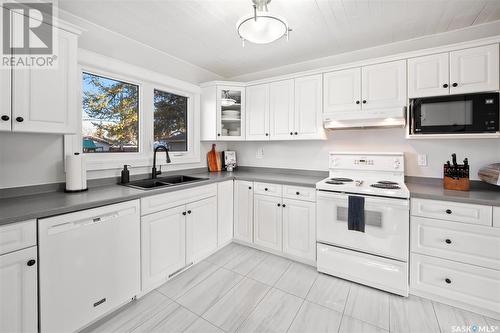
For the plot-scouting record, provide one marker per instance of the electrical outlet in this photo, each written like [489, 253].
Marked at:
[260, 153]
[422, 160]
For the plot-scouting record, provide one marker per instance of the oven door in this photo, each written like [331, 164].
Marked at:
[386, 225]
[470, 113]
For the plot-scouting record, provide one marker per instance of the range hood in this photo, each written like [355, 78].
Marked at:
[395, 117]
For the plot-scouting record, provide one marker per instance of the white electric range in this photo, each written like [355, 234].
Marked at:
[377, 256]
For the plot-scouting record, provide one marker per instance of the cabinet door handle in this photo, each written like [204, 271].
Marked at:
[183, 213]
[298, 193]
[357, 102]
[448, 211]
[448, 241]
[279, 205]
[296, 133]
[31, 262]
[447, 280]
[445, 85]
[284, 205]
[266, 189]
[249, 187]
[267, 134]
[455, 84]
[291, 133]
[20, 119]
[5, 117]
[364, 101]
[189, 211]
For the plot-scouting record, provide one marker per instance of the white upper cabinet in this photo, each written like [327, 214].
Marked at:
[474, 70]
[281, 107]
[268, 221]
[5, 111]
[428, 76]
[308, 107]
[44, 100]
[201, 229]
[342, 90]
[384, 85]
[257, 112]
[222, 114]
[243, 210]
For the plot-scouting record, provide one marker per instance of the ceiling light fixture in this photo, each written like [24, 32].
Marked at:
[261, 27]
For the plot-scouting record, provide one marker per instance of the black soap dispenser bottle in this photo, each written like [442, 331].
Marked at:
[125, 174]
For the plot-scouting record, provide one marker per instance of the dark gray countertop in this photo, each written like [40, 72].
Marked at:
[20, 208]
[428, 188]
[41, 205]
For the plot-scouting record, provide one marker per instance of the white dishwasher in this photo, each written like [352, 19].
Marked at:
[89, 264]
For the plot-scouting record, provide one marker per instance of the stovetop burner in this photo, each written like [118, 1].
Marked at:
[389, 186]
[340, 179]
[387, 182]
[334, 182]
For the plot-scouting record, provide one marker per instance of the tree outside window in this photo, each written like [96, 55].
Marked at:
[110, 117]
[170, 120]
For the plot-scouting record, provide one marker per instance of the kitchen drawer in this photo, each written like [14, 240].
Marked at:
[471, 285]
[159, 202]
[17, 236]
[268, 189]
[452, 211]
[374, 271]
[473, 244]
[496, 217]
[299, 193]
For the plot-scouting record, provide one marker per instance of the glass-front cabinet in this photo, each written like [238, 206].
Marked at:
[222, 111]
[230, 113]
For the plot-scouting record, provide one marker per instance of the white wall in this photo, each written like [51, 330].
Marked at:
[313, 155]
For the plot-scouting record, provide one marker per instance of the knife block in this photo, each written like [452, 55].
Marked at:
[456, 183]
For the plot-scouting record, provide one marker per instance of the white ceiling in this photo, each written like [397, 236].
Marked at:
[203, 33]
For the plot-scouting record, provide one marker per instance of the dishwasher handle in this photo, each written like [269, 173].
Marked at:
[72, 225]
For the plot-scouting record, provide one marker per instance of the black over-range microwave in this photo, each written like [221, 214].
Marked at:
[469, 113]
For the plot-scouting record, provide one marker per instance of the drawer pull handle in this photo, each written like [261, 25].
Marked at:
[284, 205]
[249, 187]
[448, 211]
[265, 189]
[31, 262]
[279, 205]
[298, 193]
[448, 241]
[447, 280]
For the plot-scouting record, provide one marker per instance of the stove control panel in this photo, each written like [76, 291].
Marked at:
[389, 162]
[363, 162]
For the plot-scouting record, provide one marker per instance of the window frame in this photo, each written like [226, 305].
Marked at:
[147, 81]
[139, 110]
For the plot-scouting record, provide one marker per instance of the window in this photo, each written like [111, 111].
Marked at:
[170, 121]
[110, 117]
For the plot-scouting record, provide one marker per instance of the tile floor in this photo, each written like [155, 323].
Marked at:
[240, 289]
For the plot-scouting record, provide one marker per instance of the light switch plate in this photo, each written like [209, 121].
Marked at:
[422, 160]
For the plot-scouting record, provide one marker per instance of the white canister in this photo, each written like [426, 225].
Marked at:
[76, 173]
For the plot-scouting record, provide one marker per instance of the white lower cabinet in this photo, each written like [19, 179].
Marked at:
[163, 245]
[201, 229]
[18, 291]
[268, 221]
[225, 212]
[173, 238]
[299, 228]
[243, 210]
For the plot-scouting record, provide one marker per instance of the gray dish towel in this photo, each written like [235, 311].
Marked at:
[356, 213]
